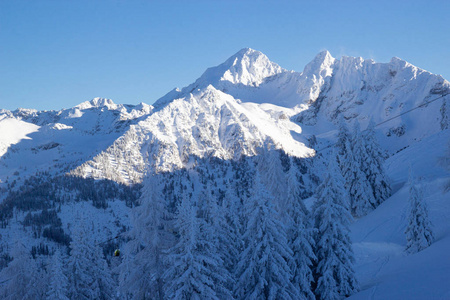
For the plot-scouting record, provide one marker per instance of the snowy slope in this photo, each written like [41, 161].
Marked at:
[383, 268]
[13, 131]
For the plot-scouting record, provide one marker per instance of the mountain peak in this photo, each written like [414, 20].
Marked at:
[97, 103]
[322, 62]
[246, 67]
[247, 51]
[396, 61]
[247, 54]
[323, 55]
[249, 67]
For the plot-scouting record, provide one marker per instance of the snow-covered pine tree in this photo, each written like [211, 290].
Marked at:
[194, 268]
[17, 277]
[362, 199]
[344, 139]
[222, 235]
[372, 165]
[274, 178]
[79, 272]
[232, 209]
[37, 287]
[142, 267]
[418, 232]
[58, 282]
[334, 274]
[300, 236]
[88, 272]
[263, 271]
[243, 176]
[102, 273]
[344, 152]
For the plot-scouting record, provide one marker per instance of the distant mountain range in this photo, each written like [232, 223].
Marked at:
[231, 110]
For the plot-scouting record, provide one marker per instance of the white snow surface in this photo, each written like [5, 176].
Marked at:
[13, 131]
[385, 271]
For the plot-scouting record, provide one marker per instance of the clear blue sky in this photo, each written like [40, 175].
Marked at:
[56, 54]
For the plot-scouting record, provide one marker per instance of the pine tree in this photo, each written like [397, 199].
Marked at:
[362, 199]
[350, 155]
[334, 274]
[344, 139]
[135, 274]
[263, 271]
[103, 274]
[37, 285]
[300, 236]
[89, 276]
[194, 268]
[232, 210]
[58, 284]
[142, 268]
[17, 277]
[223, 235]
[418, 232]
[345, 155]
[80, 277]
[372, 165]
[274, 177]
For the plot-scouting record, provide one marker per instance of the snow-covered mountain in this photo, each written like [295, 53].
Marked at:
[58, 141]
[231, 110]
[356, 88]
[241, 110]
[238, 106]
[204, 123]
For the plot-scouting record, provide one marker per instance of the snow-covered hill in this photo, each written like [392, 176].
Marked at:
[222, 129]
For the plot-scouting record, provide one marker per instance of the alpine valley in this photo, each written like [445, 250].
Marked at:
[203, 194]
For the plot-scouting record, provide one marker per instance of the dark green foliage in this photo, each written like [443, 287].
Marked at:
[57, 235]
[43, 192]
[45, 217]
[4, 260]
[42, 249]
[41, 221]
